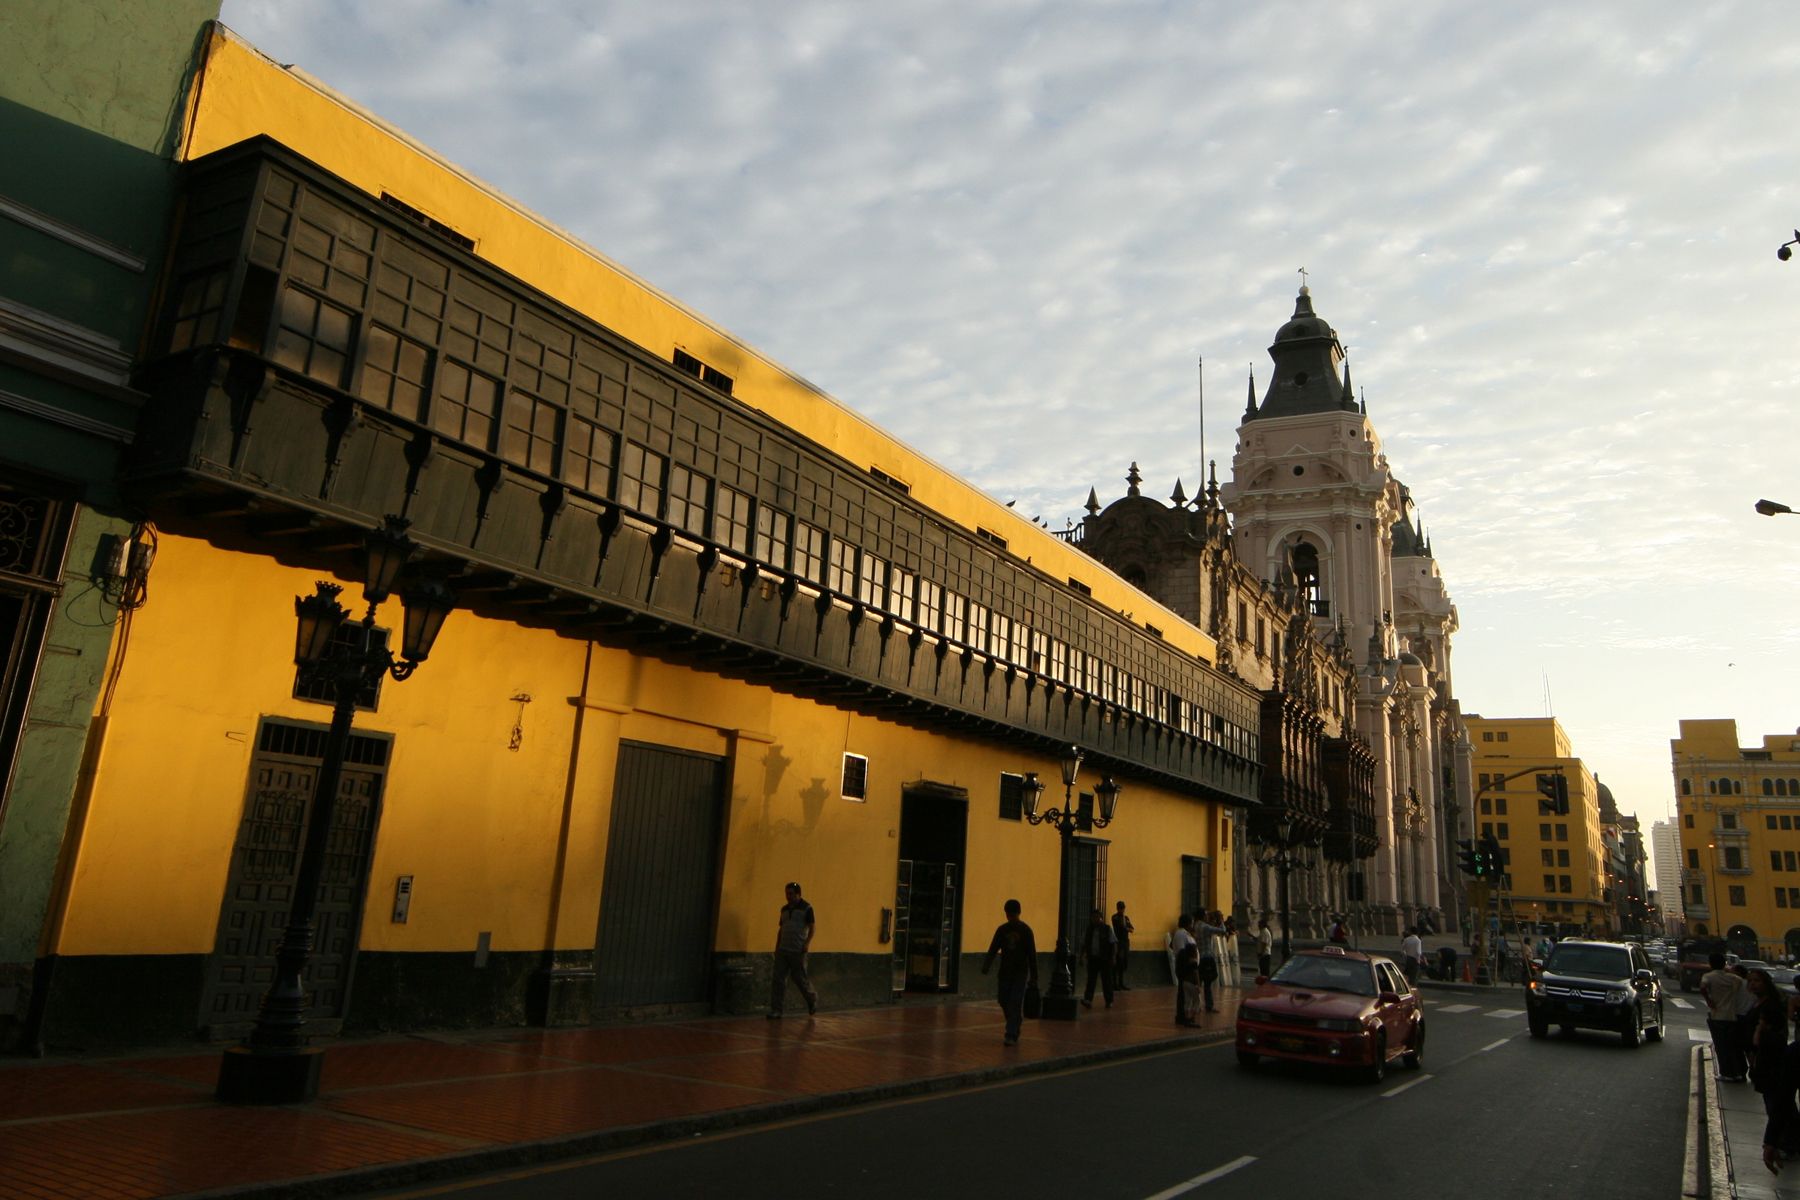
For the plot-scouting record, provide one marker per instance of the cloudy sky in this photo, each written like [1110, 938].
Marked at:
[1009, 230]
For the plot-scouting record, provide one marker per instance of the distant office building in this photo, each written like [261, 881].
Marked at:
[1665, 848]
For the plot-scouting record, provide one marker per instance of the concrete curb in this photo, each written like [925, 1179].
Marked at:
[522, 1154]
[1706, 1162]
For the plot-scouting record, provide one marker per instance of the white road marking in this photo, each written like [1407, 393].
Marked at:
[1493, 1045]
[1408, 1084]
[1699, 1035]
[1681, 1003]
[1449, 1008]
[1202, 1180]
[1506, 1012]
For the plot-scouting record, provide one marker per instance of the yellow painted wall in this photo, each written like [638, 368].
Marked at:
[244, 94]
[480, 826]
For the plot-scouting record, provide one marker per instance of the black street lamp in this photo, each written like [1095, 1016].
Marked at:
[1283, 852]
[1059, 1002]
[275, 1065]
[1772, 508]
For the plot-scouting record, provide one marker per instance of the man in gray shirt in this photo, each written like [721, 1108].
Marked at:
[793, 935]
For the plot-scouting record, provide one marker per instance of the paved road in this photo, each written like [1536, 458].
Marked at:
[1492, 1113]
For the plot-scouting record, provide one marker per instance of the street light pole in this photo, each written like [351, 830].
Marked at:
[276, 1065]
[1283, 854]
[1059, 1002]
[1772, 508]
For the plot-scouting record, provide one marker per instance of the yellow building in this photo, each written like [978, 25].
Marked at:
[1739, 824]
[715, 632]
[1555, 863]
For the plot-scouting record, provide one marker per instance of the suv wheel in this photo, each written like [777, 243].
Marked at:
[1656, 1031]
[1633, 1036]
[1539, 1027]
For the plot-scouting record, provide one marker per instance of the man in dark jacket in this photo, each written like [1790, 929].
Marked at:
[1122, 931]
[1101, 951]
[1017, 950]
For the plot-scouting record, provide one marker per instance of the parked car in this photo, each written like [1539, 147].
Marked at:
[1597, 985]
[1334, 1006]
[1784, 976]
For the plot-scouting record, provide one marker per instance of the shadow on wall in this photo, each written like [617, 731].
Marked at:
[775, 765]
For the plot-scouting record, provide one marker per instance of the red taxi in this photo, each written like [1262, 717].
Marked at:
[1335, 1006]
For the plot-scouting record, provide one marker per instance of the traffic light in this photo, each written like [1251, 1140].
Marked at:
[1546, 786]
[1470, 863]
[1554, 791]
[1492, 857]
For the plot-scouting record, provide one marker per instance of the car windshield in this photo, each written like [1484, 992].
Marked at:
[1327, 974]
[1605, 961]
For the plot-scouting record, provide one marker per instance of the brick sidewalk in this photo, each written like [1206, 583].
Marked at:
[399, 1110]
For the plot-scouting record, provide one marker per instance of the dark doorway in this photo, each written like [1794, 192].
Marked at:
[660, 896]
[265, 861]
[934, 821]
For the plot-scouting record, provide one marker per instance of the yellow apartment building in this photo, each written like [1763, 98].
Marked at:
[1738, 813]
[1555, 863]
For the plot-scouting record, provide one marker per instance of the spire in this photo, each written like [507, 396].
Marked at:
[1093, 503]
[1363, 408]
[1132, 478]
[1178, 497]
[1349, 401]
[1212, 483]
[1250, 404]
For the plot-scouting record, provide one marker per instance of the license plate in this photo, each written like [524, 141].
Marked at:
[1290, 1043]
[1575, 1007]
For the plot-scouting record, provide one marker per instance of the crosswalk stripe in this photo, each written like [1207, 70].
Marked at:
[1681, 1003]
[1699, 1035]
[1450, 1008]
[1506, 1012]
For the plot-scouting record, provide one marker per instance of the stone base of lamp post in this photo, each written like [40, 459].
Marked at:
[251, 1076]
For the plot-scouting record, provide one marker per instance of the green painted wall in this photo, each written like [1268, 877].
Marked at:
[91, 107]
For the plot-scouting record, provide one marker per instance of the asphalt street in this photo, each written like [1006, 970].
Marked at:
[1490, 1113]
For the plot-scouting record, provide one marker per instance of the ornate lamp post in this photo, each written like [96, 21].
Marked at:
[1059, 1003]
[1283, 852]
[276, 1065]
[1772, 508]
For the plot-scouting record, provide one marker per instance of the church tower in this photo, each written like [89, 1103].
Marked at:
[1312, 493]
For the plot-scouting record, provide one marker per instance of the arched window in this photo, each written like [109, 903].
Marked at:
[1780, 787]
[1794, 787]
[1724, 786]
[1711, 787]
[1769, 788]
[1304, 562]
[1686, 790]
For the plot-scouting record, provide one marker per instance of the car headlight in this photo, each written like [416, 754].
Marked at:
[1340, 1024]
[1618, 996]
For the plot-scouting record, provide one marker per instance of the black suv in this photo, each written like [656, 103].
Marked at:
[1597, 985]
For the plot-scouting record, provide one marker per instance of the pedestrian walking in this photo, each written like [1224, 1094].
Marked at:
[1231, 971]
[1187, 970]
[1016, 948]
[793, 935]
[1265, 947]
[1722, 990]
[1101, 950]
[1340, 932]
[1412, 953]
[1768, 1071]
[1207, 966]
[1122, 931]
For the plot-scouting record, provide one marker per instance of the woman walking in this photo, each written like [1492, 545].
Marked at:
[1769, 1072]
